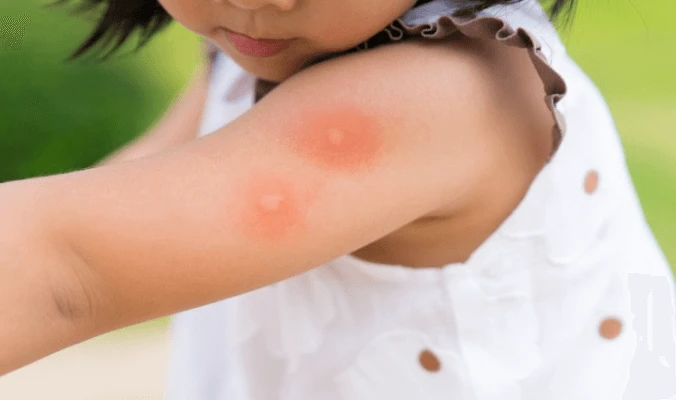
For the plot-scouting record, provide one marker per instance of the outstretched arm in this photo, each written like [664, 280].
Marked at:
[336, 157]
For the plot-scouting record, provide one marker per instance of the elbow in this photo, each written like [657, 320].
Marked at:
[43, 281]
[77, 297]
[71, 302]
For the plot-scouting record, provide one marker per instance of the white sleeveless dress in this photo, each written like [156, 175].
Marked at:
[571, 298]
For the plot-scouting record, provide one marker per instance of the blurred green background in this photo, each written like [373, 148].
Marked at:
[58, 116]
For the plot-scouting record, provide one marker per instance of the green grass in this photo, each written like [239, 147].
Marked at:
[56, 117]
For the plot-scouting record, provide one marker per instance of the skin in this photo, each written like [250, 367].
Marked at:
[344, 139]
[336, 158]
[271, 208]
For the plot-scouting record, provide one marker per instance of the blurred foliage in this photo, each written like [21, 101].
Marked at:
[628, 48]
[57, 116]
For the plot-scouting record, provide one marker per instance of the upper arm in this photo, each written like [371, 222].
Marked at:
[334, 158]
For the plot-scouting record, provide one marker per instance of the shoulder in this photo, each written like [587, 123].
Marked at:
[479, 101]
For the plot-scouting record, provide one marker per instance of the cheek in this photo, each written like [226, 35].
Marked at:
[192, 14]
[343, 139]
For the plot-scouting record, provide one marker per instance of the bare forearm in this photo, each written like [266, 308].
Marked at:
[34, 270]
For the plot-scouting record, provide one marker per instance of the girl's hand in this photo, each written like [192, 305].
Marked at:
[333, 159]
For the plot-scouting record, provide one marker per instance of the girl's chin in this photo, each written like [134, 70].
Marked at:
[268, 69]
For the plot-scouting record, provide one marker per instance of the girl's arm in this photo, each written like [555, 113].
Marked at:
[178, 125]
[34, 264]
[334, 158]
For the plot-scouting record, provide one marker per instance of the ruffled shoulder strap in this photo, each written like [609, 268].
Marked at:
[523, 24]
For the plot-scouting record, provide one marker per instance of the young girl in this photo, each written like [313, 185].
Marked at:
[387, 200]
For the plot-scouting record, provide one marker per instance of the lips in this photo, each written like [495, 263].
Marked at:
[257, 47]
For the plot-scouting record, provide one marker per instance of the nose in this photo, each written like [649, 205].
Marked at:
[284, 5]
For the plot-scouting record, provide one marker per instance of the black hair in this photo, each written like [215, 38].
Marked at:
[122, 18]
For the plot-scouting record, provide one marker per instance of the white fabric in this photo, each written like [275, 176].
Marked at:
[519, 320]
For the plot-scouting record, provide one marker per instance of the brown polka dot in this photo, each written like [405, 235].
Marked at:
[591, 182]
[610, 328]
[429, 361]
